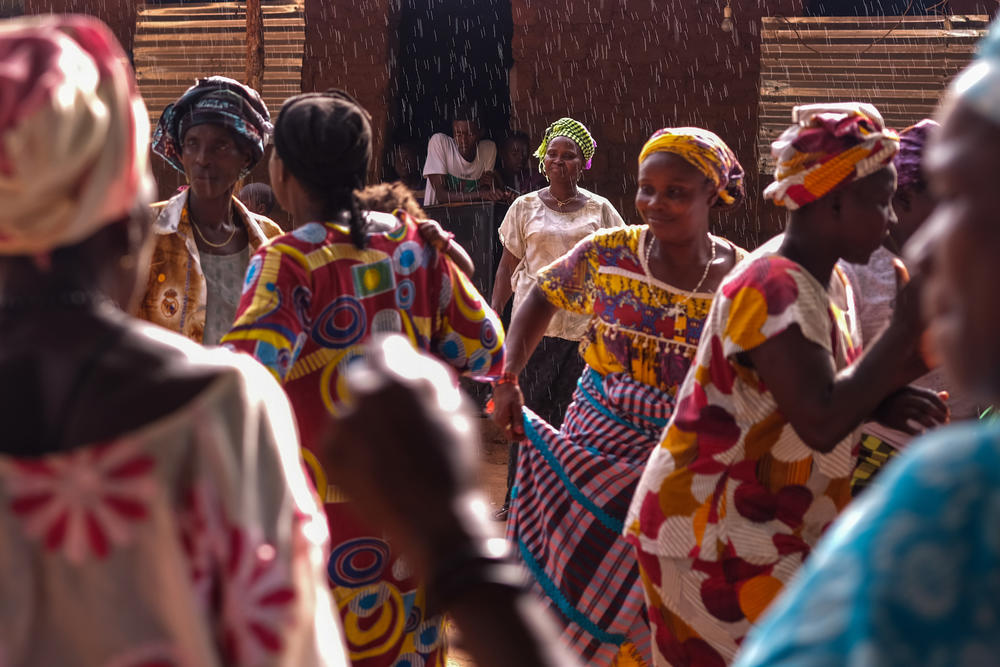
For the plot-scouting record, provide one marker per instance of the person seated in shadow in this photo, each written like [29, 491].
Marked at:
[515, 170]
[459, 168]
[405, 163]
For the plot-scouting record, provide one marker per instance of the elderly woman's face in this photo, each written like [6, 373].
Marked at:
[563, 160]
[959, 247]
[213, 160]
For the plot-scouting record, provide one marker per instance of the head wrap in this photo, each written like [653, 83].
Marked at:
[571, 129]
[216, 100]
[978, 85]
[325, 140]
[73, 133]
[912, 141]
[708, 153]
[828, 145]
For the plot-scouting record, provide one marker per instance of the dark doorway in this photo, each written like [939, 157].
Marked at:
[451, 52]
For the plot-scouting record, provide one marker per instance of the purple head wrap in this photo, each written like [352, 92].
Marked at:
[912, 142]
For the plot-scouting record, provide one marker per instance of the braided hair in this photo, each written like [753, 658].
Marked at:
[325, 140]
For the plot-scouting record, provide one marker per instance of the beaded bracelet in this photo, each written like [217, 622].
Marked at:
[506, 378]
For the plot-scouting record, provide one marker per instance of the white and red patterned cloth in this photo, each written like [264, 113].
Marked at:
[74, 133]
[193, 541]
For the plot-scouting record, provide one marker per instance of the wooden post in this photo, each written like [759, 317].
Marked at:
[255, 45]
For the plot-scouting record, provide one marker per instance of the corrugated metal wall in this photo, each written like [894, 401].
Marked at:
[901, 65]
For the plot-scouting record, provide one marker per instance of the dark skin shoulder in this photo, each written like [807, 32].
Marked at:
[109, 377]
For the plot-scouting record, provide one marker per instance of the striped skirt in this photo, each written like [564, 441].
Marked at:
[571, 495]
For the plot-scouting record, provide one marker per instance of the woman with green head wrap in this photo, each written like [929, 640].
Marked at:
[539, 228]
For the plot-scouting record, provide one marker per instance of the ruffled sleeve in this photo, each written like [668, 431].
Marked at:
[569, 282]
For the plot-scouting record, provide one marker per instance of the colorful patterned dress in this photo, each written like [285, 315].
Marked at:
[908, 575]
[732, 500]
[574, 485]
[195, 540]
[311, 301]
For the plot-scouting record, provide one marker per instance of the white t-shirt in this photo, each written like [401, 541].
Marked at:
[443, 158]
[538, 236]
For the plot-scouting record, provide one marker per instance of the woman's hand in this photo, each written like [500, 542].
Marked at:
[508, 403]
[913, 410]
[432, 232]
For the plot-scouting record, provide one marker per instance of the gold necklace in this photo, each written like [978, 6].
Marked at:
[562, 204]
[206, 241]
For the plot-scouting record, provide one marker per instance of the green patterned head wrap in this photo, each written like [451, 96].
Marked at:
[571, 129]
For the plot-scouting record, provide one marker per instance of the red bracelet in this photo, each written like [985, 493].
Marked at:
[506, 378]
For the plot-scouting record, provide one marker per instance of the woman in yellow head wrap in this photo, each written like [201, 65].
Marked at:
[758, 456]
[646, 290]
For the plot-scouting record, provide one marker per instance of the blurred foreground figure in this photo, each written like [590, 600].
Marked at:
[153, 509]
[415, 475]
[910, 575]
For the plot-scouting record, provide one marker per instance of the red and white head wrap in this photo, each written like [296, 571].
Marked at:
[74, 133]
[828, 145]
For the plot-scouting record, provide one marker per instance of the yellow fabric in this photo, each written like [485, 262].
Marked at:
[603, 277]
[176, 294]
[703, 149]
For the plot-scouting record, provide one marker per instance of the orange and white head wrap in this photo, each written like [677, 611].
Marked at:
[74, 133]
[828, 145]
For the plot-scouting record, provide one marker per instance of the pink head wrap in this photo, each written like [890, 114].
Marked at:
[74, 133]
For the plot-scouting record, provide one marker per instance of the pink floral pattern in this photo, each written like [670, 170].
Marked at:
[85, 503]
[258, 597]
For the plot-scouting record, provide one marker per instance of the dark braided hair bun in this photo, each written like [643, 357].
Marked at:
[325, 140]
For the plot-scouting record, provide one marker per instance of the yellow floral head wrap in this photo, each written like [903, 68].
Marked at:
[708, 153]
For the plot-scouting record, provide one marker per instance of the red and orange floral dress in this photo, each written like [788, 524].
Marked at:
[732, 500]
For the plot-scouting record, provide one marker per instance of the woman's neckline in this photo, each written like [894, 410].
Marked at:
[588, 197]
[648, 275]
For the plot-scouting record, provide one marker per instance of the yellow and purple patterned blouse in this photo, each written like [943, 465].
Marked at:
[639, 325]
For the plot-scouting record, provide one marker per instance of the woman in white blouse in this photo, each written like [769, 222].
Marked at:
[539, 228]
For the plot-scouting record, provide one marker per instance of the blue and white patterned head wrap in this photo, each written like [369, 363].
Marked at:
[214, 100]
